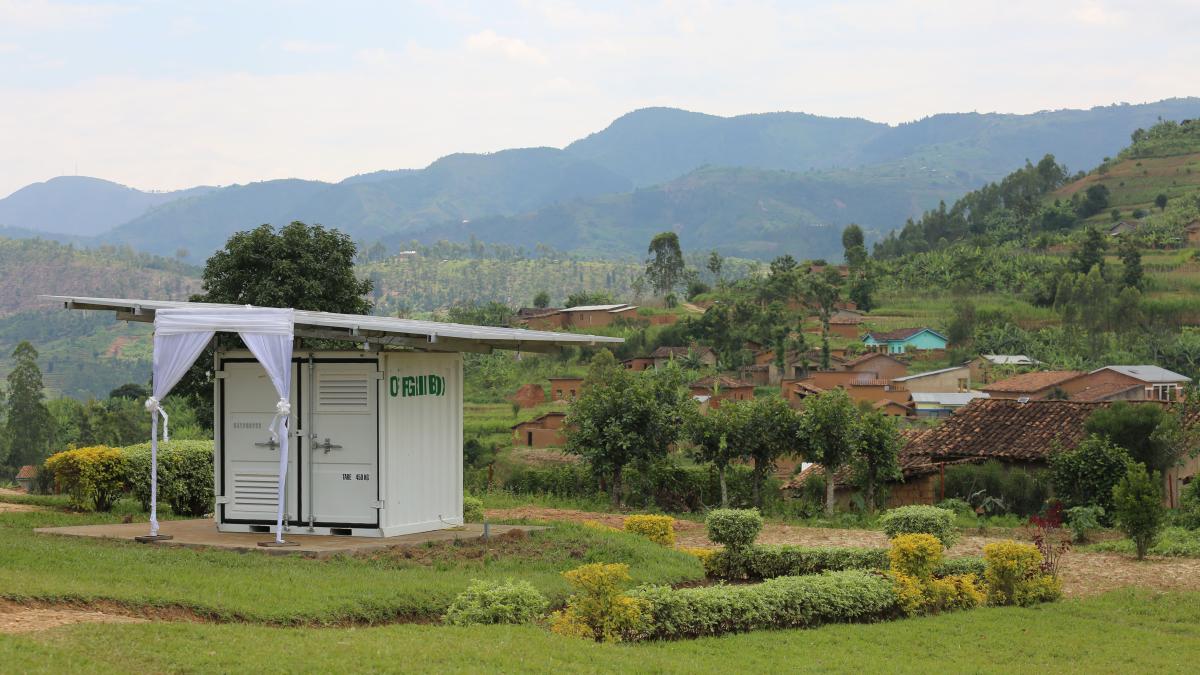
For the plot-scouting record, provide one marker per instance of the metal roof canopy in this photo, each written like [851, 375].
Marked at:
[364, 328]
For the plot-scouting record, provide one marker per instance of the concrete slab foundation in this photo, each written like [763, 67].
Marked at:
[202, 533]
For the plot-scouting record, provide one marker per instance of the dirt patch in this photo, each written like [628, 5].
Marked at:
[6, 507]
[18, 618]
[514, 543]
[1083, 573]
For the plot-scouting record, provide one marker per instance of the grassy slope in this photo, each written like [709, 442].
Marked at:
[1134, 183]
[293, 589]
[1124, 631]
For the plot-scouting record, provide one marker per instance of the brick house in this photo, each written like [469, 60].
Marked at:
[581, 316]
[716, 388]
[565, 388]
[1127, 383]
[638, 363]
[986, 368]
[544, 431]
[884, 367]
[846, 326]
[529, 395]
[1033, 386]
[664, 355]
[954, 379]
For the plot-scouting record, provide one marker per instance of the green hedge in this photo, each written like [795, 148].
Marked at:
[770, 562]
[786, 602]
[920, 519]
[185, 475]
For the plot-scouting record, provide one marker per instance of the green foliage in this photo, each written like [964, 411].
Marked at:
[495, 602]
[93, 477]
[915, 555]
[914, 560]
[786, 602]
[185, 475]
[762, 430]
[623, 417]
[769, 562]
[664, 267]
[830, 434]
[876, 459]
[1189, 505]
[27, 427]
[733, 528]
[472, 509]
[1164, 139]
[1171, 541]
[1145, 430]
[1085, 476]
[1014, 575]
[920, 519]
[1083, 520]
[658, 529]
[995, 488]
[1138, 507]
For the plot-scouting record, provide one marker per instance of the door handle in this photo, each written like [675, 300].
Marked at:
[272, 444]
[327, 446]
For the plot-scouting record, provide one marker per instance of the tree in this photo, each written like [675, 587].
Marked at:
[853, 246]
[961, 330]
[300, 266]
[28, 425]
[623, 417]
[876, 459]
[861, 288]
[762, 430]
[715, 264]
[541, 300]
[1131, 263]
[1086, 474]
[1137, 499]
[1090, 253]
[710, 435]
[829, 434]
[664, 267]
[1095, 200]
[131, 390]
[1161, 202]
[1145, 430]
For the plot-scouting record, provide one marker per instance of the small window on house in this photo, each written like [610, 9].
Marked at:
[530, 439]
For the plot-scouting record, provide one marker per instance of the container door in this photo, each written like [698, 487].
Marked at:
[344, 443]
[251, 471]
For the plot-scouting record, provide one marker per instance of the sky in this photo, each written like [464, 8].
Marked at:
[162, 95]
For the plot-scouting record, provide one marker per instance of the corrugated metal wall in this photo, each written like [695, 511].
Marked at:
[421, 428]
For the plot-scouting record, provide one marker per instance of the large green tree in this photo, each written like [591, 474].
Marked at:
[664, 266]
[763, 430]
[876, 459]
[28, 425]
[710, 435]
[1146, 431]
[623, 417]
[829, 433]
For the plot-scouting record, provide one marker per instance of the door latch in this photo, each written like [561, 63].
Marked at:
[272, 444]
[327, 446]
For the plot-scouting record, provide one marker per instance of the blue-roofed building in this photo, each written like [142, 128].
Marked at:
[905, 340]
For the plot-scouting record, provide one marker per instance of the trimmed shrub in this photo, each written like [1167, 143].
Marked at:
[658, 529]
[93, 477]
[599, 609]
[472, 509]
[786, 602]
[734, 528]
[705, 555]
[185, 475]
[920, 519]
[1137, 504]
[769, 562]
[915, 555]
[1014, 575]
[491, 602]
[959, 566]
[915, 559]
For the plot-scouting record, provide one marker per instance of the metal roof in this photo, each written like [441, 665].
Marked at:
[948, 398]
[427, 335]
[1147, 373]
[600, 308]
[927, 373]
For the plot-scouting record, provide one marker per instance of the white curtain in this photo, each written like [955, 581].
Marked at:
[274, 352]
[174, 353]
[179, 337]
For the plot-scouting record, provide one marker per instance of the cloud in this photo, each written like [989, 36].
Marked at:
[307, 47]
[1098, 15]
[513, 49]
[9, 47]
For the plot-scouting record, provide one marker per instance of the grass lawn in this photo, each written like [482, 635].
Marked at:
[1172, 542]
[1120, 632]
[295, 590]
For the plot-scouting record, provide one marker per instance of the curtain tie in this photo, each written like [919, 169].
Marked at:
[153, 406]
[282, 409]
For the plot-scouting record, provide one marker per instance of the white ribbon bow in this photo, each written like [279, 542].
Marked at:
[153, 406]
[282, 410]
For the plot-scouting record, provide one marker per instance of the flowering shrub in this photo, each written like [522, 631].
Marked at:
[914, 560]
[658, 529]
[920, 519]
[599, 609]
[1014, 575]
[735, 528]
[704, 554]
[92, 477]
[490, 602]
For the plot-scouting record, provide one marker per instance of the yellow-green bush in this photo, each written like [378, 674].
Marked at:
[599, 609]
[658, 529]
[1014, 575]
[914, 558]
[704, 554]
[92, 477]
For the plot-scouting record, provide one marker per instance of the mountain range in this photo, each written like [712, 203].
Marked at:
[755, 185]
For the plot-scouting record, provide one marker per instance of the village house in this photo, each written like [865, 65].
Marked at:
[565, 388]
[26, 476]
[953, 379]
[581, 316]
[894, 409]
[638, 363]
[529, 396]
[716, 388]
[1033, 386]
[942, 404]
[1191, 232]
[1124, 227]
[986, 368]
[1127, 383]
[845, 326]
[544, 431]
[664, 355]
[905, 340]
[883, 366]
